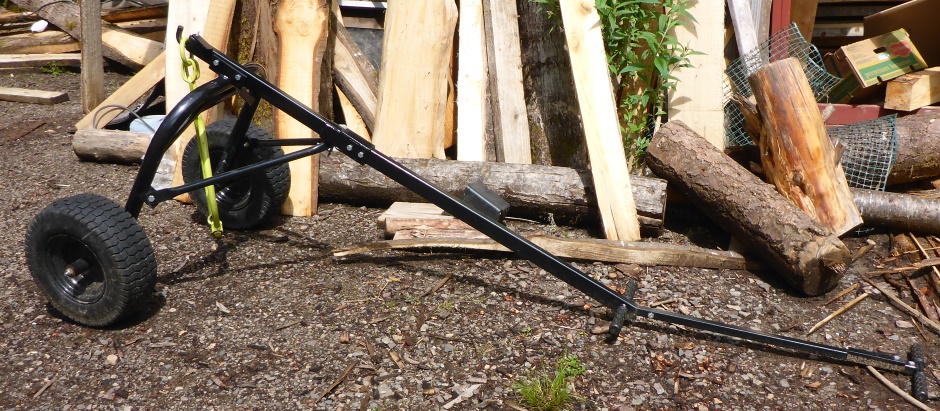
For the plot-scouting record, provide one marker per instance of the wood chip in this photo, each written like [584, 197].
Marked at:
[222, 308]
[396, 358]
[290, 324]
[45, 386]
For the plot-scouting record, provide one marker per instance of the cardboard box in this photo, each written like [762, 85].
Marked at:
[919, 18]
[871, 61]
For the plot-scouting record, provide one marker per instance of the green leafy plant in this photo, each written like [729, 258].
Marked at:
[642, 51]
[53, 68]
[545, 393]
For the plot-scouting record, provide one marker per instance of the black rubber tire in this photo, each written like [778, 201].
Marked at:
[247, 202]
[122, 269]
[919, 378]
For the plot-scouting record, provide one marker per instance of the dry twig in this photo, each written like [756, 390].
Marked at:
[836, 313]
[907, 397]
[339, 380]
[841, 294]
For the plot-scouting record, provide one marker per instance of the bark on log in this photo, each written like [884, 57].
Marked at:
[918, 148]
[796, 153]
[110, 146]
[555, 130]
[803, 252]
[898, 211]
[562, 194]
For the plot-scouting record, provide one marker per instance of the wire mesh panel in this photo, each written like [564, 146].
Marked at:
[870, 148]
[782, 44]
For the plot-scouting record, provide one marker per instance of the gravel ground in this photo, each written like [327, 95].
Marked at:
[268, 319]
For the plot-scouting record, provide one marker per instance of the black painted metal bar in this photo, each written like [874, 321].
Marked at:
[156, 197]
[364, 152]
[174, 124]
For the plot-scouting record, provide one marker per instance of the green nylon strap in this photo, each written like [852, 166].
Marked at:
[190, 75]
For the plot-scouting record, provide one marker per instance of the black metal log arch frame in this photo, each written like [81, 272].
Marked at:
[243, 79]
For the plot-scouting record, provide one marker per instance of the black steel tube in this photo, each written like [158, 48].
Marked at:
[174, 124]
[156, 197]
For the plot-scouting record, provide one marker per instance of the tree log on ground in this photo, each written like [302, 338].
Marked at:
[561, 194]
[898, 211]
[110, 146]
[803, 252]
[918, 148]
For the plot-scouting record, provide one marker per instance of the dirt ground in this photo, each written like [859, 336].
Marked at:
[268, 319]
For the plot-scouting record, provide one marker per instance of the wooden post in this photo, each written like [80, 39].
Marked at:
[413, 79]
[796, 153]
[504, 61]
[600, 120]
[303, 29]
[471, 83]
[803, 252]
[92, 62]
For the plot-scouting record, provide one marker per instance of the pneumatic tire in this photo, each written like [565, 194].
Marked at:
[91, 259]
[247, 202]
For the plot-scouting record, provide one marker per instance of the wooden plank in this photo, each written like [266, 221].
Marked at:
[642, 253]
[354, 75]
[92, 60]
[118, 44]
[745, 34]
[126, 95]
[471, 82]
[504, 62]
[46, 42]
[803, 13]
[913, 90]
[22, 95]
[761, 12]
[413, 84]
[353, 120]
[303, 29]
[600, 119]
[194, 16]
[697, 100]
[39, 60]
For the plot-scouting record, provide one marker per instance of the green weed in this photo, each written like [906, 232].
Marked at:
[548, 393]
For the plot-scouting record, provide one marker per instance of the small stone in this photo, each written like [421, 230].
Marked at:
[904, 324]
[385, 391]
[112, 359]
[447, 347]
[784, 384]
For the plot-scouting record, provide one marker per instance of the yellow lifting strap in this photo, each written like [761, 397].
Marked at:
[190, 75]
